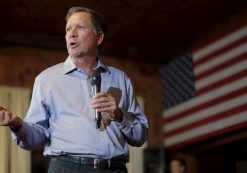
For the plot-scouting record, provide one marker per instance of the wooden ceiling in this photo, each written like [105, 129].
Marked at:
[151, 31]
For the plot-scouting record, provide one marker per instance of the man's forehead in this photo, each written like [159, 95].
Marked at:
[79, 15]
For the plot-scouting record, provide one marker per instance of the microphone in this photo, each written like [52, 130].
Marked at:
[96, 82]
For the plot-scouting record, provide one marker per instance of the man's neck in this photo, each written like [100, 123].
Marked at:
[85, 63]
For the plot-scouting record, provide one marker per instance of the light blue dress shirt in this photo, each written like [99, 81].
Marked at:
[61, 118]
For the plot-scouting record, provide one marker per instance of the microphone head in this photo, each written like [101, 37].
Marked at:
[96, 77]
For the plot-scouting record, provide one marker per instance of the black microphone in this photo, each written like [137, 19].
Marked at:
[96, 82]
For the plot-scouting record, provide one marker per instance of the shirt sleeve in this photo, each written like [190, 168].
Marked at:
[134, 125]
[34, 132]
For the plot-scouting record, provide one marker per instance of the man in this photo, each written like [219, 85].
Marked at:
[61, 113]
[178, 165]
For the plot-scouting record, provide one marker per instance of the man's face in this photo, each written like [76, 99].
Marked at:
[176, 167]
[81, 38]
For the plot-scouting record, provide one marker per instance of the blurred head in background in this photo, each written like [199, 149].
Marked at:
[178, 165]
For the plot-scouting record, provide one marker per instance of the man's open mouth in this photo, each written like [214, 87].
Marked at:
[73, 44]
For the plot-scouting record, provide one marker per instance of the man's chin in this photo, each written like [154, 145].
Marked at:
[76, 54]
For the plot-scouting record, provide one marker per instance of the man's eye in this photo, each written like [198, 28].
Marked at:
[67, 29]
[81, 27]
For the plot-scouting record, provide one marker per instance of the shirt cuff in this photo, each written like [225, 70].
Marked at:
[22, 133]
[127, 121]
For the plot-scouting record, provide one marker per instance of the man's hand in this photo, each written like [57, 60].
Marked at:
[8, 119]
[105, 102]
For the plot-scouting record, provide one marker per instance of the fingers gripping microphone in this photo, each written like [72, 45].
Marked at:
[96, 82]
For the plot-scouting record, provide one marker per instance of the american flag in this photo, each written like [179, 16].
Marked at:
[205, 92]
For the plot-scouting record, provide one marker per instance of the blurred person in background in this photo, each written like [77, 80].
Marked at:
[178, 165]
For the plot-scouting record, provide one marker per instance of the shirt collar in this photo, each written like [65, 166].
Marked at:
[69, 66]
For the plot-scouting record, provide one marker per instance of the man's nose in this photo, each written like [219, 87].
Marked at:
[73, 33]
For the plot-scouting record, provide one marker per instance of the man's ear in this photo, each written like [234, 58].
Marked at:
[100, 38]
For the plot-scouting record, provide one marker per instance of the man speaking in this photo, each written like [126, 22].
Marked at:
[82, 130]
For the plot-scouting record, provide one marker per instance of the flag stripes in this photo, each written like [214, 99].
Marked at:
[219, 104]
